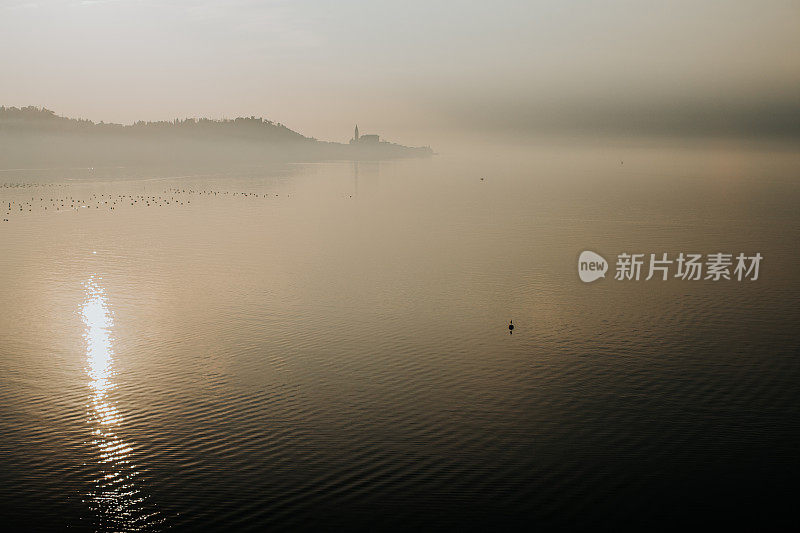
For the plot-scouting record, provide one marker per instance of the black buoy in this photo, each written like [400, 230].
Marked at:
[510, 327]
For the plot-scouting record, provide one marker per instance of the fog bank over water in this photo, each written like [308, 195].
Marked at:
[772, 119]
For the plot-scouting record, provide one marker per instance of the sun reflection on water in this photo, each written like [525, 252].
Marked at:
[116, 500]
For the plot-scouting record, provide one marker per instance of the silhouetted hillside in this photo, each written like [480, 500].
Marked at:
[35, 136]
[35, 119]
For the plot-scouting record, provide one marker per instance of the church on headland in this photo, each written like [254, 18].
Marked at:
[364, 139]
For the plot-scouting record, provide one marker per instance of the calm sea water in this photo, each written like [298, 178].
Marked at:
[326, 345]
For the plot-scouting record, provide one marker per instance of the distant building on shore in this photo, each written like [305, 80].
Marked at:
[364, 139]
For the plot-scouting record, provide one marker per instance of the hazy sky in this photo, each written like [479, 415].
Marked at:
[415, 71]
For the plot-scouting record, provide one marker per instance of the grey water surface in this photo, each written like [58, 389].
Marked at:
[326, 345]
